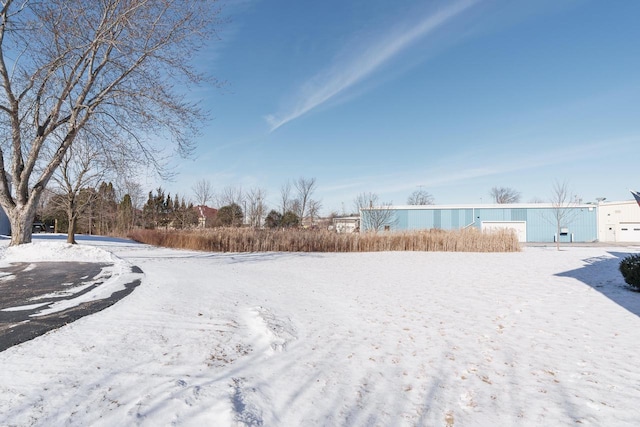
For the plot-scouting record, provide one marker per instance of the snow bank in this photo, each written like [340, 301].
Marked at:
[41, 251]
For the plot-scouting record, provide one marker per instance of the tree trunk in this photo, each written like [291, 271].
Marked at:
[21, 220]
[71, 233]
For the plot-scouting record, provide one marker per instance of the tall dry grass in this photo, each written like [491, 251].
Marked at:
[252, 240]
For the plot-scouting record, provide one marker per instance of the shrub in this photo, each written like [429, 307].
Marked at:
[630, 269]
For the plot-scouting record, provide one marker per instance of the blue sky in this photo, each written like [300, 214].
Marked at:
[454, 97]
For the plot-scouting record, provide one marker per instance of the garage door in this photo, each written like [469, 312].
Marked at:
[520, 227]
[628, 232]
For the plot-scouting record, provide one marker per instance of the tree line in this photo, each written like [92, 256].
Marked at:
[80, 203]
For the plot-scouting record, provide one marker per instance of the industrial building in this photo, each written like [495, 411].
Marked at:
[533, 222]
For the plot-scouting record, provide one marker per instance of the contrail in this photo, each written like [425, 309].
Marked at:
[340, 76]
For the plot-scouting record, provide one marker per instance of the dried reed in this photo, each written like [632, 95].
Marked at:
[253, 240]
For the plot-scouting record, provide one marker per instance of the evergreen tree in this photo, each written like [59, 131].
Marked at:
[290, 219]
[230, 215]
[154, 212]
[125, 214]
[106, 209]
[273, 219]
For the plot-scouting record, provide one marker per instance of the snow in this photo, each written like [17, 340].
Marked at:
[54, 251]
[534, 338]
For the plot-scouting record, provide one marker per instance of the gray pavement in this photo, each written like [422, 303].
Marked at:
[33, 287]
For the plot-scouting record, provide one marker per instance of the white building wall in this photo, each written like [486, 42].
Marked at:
[619, 221]
[346, 224]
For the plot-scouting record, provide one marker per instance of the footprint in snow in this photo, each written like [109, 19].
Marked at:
[270, 332]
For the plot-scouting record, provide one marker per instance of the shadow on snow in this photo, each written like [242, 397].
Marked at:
[603, 275]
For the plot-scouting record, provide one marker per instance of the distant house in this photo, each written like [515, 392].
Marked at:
[347, 224]
[206, 216]
[315, 223]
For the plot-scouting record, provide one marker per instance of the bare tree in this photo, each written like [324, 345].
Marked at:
[113, 66]
[374, 215]
[365, 200]
[314, 210]
[256, 206]
[294, 207]
[285, 197]
[134, 189]
[563, 207]
[231, 194]
[376, 218]
[82, 168]
[503, 195]
[45, 208]
[420, 197]
[305, 188]
[203, 192]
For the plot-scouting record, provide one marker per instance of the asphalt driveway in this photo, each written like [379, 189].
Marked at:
[28, 289]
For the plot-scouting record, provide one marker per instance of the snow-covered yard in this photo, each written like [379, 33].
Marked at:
[539, 337]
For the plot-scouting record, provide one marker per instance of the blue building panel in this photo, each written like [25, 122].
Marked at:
[519, 214]
[455, 218]
[491, 214]
[469, 219]
[437, 218]
[420, 219]
[401, 220]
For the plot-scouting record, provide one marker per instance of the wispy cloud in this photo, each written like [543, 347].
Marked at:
[342, 75]
[464, 168]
